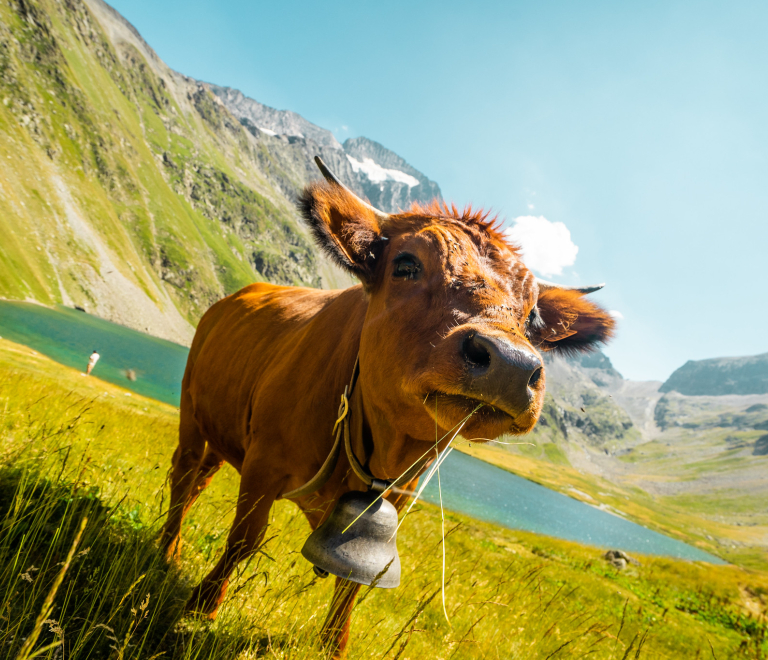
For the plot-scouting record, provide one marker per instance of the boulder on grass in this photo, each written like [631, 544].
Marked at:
[619, 559]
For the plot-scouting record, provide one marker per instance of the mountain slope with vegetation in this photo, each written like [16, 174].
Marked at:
[721, 376]
[130, 190]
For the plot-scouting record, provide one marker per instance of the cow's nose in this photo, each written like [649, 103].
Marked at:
[501, 373]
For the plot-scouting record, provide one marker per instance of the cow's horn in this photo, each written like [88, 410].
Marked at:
[544, 285]
[332, 178]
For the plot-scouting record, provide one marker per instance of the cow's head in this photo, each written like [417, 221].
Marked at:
[456, 323]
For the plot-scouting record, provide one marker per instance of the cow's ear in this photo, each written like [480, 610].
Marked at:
[569, 323]
[344, 226]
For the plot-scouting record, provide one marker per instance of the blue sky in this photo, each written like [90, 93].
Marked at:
[641, 126]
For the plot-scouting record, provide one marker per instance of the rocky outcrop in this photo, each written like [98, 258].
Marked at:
[387, 180]
[578, 415]
[271, 121]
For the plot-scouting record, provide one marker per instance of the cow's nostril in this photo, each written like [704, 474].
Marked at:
[535, 378]
[475, 353]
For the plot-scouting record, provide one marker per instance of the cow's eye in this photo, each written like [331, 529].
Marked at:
[407, 266]
[534, 320]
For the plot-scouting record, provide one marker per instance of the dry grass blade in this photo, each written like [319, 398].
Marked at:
[419, 609]
[429, 476]
[442, 529]
[621, 625]
[642, 642]
[499, 442]
[25, 652]
[441, 457]
[629, 648]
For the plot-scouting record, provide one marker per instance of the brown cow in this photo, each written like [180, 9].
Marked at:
[446, 318]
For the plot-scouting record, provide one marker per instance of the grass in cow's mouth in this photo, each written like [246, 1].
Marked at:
[464, 405]
[72, 447]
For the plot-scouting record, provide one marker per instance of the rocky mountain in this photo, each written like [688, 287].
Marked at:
[267, 120]
[721, 376]
[132, 191]
[385, 178]
[368, 168]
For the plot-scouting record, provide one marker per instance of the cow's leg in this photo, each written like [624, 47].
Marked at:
[184, 493]
[187, 460]
[257, 494]
[335, 632]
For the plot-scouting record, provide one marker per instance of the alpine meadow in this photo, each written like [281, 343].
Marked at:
[140, 196]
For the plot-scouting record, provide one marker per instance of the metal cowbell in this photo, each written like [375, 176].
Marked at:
[366, 549]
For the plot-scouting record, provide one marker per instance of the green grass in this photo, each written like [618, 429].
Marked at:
[75, 448]
[555, 453]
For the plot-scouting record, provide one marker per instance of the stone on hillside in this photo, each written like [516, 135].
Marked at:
[761, 446]
[619, 559]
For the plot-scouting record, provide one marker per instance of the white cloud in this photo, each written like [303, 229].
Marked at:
[615, 313]
[547, 246]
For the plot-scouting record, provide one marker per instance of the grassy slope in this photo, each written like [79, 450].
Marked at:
[510, 594]
[174, 193]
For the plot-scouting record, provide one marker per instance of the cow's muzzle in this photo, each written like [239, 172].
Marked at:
[499, 373]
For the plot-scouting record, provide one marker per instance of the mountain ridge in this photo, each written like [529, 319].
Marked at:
[365, 166]
[721, 376]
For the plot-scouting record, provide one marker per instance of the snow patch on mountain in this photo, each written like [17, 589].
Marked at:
[378, 174]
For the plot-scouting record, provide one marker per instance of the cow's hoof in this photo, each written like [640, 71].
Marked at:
[171, 550]
[206, 599]
[335, 644]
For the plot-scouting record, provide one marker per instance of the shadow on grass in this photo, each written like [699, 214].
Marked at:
[119, 598]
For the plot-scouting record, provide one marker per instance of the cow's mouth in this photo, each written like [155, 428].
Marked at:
[462, 407]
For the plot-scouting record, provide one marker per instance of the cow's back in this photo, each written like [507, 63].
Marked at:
[253, 350]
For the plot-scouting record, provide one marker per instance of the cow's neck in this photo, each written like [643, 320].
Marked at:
[386, 453]
[385, 450]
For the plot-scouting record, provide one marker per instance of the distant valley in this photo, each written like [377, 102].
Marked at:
[696, 456]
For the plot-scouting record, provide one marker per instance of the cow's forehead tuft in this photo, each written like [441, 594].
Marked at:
[478, 224]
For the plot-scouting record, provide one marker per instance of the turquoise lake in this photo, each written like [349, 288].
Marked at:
[69, 336]
[470, 486]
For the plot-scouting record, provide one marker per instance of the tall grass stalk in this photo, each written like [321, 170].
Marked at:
[26, 648]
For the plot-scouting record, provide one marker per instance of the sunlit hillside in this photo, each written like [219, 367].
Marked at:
[76, 448]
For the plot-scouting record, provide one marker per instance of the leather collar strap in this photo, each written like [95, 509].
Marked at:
[342, 432]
